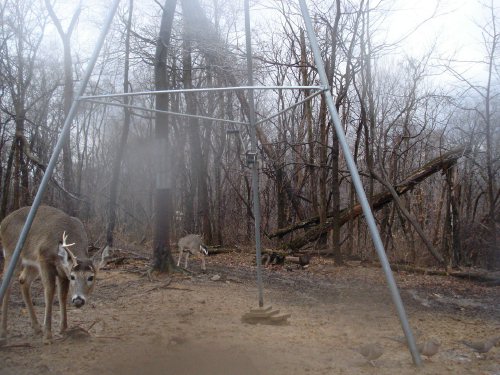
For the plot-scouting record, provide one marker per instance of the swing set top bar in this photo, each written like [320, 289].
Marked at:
[206, 89]
[153, 110]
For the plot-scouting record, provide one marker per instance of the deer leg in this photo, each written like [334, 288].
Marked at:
[181, 252]
[203, 267]
[5, 303]
[63, 287]
[186, 262]
[5, 306]
[49, 286]
[27, 276]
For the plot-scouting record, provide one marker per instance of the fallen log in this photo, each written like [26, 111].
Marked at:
[302, 260]
[441, 163]
[484, 276]
[220, 250]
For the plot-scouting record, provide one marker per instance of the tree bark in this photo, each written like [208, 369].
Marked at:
[162, 255]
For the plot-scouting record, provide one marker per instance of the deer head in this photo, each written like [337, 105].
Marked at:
[81, 273]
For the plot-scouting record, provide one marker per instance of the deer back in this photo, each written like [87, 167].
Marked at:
[191, 242]
[45, 234]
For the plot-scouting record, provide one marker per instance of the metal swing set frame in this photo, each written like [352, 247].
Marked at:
[251, 124]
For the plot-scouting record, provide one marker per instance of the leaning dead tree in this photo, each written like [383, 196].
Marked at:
[315, 229]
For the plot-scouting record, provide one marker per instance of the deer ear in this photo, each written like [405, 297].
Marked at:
[100, 259]
[65, 258]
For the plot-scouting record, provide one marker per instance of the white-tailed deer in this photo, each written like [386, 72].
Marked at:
[47, 253]
[192, 244]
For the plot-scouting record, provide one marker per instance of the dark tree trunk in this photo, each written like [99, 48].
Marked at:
[337, 254]
[162, 255]
[280, 198]
[452, 234]
[7, 182]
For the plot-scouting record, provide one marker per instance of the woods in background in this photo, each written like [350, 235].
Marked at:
[427, 149]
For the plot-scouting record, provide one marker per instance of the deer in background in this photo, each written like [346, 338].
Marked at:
[47, 253]
[192, 244]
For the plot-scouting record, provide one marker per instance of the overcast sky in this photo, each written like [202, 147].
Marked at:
[454, 25]
[455, 29]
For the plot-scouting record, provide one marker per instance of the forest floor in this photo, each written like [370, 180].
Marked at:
[191, 324]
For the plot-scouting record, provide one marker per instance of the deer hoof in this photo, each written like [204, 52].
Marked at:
[37, 330]
[47, 340]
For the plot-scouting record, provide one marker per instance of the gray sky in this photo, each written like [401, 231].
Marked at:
[455, 30]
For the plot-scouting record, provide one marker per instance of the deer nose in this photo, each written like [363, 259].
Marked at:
[78, 301]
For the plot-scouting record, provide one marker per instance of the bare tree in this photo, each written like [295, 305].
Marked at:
[117, 163]
[484, 130]
[22, 37]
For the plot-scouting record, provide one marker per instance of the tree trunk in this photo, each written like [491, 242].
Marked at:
[117, 162]
[16, 191]
[162, 255]
[313, 195]
[337, 254]
[198, 173]
[7, 182]
[280, 198]
[454, 245]
[323, 171]
[70, 206]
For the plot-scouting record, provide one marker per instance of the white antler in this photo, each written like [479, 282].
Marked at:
[66, 247]
[65, 237]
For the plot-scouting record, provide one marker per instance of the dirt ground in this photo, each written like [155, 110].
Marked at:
[191, 324]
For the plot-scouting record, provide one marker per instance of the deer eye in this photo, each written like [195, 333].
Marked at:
[72, 277]
[90, 278]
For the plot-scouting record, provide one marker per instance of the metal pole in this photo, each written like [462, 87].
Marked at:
[359, 189]
[253, 150]
[204, 89]
[57, 150]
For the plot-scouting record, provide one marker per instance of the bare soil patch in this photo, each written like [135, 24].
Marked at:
[192, 324]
